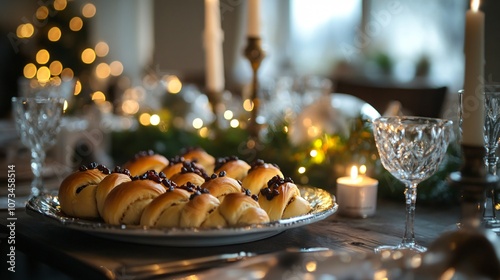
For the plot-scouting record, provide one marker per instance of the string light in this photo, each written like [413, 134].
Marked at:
[54, 34]
[88, 56]
[89, 10]
[56, 67]
[29, 70]
[76, 24]
[43, 74]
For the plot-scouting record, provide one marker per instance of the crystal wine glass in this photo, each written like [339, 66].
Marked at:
[491, 138]
[411, 149]
[38, 123]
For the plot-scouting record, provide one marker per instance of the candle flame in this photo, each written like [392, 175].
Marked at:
[354, 172]
[474, 5]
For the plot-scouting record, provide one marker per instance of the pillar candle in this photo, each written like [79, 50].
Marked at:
[253, 18]
[473, 97]
[214, 37]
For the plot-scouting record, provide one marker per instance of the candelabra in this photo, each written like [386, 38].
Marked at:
[255, 55]
[473, 181]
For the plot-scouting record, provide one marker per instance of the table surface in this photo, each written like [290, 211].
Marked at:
[80, 254]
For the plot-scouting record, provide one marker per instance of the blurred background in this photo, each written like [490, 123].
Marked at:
[139, 68]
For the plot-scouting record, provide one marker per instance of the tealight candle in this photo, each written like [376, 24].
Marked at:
[357, 195]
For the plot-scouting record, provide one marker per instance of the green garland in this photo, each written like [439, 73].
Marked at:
[335, 154]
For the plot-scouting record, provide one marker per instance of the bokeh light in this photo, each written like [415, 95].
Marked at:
[197, 123]
[144, 119]
[67, 74]
[54, 34]
[88, 56]
[88, 10]
[78, 87]
[76, 24]
[29, 70]
[42, 56]
[116, 68]
[101, 49]
[228, 114]
[60, 5]
[130, 107]
[56, 67]
[43, 74]
[98, 97]
[102, 70]
[154, 119]
[42, 12]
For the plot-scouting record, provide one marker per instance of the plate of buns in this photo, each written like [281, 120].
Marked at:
[174, 202]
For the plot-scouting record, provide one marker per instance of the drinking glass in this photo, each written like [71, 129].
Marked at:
[491, 138]
[411, 149]
[38, 123]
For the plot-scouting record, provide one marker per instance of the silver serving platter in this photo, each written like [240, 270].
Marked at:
[47, 208]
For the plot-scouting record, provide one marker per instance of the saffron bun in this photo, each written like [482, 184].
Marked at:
[174, 166]
[201, 157]
[258, 176]
[108, 184]
[77, 192]
[165, 210]
[221, 185]
[234, 167]
[145, 161]
[241, 209]
[282, 199]
[189, 173]
[126, 202]
[198, 209]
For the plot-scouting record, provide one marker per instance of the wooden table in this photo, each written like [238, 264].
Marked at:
[81, 255]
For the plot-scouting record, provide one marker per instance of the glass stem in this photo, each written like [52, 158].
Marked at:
[490, 198]
[37, 160]
[411, 199]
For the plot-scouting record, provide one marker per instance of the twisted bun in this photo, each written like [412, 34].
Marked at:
[201, 157]
[234, 167]
[77, 192]
[240, 209]
[258, 176]
[126, 202]
[189, 173]
[221, 185]
[198, 209]
[165, 210]
[282, 200]
[107, 185]
[145, 161]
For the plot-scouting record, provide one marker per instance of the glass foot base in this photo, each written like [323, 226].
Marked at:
[403, 248]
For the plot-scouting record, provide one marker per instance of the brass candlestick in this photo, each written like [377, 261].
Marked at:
[254, 54]
[473, 181]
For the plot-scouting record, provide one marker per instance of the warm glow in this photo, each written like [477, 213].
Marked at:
[42, 56]
[130, 107]
[43, 74]
[98, 97]
[54, 34]
[474, 5]
[78, 88]
[197, 123]
[116, 68]
[42, 12]
[248, 105]
[75, 24]
[144, 119]
[154, 119]
[88, 56]
[102, 70]
[234, 123]
[88, 10]
[313, 153]
[311, 266]
[60, 5]
[56, 67]
[354, 172]
[67, 74]
[101, 49]
[25, 30]
[174, 85]
[301, 170]
[228, 114]
[29, 70]
[65, 106]
[203, 132]
[362, 169]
